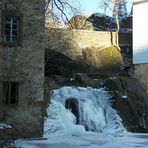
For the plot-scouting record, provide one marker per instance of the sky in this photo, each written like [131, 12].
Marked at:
[92, 6]
[88, 6]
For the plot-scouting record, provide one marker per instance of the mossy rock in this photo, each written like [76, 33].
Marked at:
[102, 59]
[111, 57]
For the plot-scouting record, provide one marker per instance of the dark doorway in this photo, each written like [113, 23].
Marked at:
[73, 105]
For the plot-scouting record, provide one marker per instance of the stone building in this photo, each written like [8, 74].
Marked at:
[140, 41]
[22, 66]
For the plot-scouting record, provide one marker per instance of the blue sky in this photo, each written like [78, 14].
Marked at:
[91, 6]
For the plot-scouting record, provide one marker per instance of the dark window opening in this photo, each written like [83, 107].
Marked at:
[10, 92]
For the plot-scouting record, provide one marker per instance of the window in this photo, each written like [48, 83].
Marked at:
[11, 31]
[10, 92]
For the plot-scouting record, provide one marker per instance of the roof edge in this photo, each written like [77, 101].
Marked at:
[139, 1]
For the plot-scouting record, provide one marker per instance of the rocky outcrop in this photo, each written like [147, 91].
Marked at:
[104, 59]
[56, 63]
[131, 102]
[128, 96]
[141, 73]
[92, 59]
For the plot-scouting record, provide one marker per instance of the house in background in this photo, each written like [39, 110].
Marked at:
[22, 66]
[102, 22]
[140, 40]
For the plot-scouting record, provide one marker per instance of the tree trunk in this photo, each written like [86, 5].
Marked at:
[117, 30]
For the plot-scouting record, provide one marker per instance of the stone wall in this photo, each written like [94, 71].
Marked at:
[71, 42]
[24, 64]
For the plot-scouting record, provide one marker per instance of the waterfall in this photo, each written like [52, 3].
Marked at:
[76, 110]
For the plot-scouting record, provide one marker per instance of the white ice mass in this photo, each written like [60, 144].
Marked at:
[94, 112]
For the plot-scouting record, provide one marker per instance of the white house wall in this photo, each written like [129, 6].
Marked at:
[140, 33]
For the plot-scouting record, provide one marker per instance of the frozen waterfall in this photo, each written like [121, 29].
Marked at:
[76, 110]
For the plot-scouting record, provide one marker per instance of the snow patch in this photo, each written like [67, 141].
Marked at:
[4, 126]
[124, 97]
[97, 14]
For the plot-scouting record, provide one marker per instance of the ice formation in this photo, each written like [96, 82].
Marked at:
[94, 112]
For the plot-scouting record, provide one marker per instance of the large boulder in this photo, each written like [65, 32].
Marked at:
[102, 59]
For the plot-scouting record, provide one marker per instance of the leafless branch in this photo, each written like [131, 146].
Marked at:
[62, 6]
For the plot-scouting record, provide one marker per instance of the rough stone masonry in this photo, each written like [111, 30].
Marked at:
[23, 64]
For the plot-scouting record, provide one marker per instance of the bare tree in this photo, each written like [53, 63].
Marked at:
[106, 6]
[113, 7]
[116, 13]
[56, 10]
[59, 10]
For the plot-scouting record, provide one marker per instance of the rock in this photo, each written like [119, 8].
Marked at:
[57, 63]
[131, 102]
[92, 60]
[84, 80]
[102, 59]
